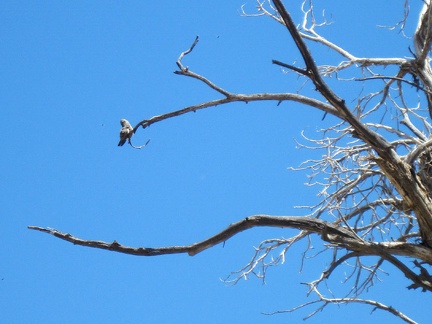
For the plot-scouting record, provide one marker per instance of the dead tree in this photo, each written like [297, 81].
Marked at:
[373, 173]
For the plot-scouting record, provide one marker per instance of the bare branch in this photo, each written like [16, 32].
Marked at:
[382, 77]
[186, 72]
[138, 147]
[304, 223]
[325, 301]
[279, 97]
[330, 232]
[376, 304]
[291, 67]
[179, 64]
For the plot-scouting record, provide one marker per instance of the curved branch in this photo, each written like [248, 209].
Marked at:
[330, 232]
[374, 303]
[303, 223]
[322, 299]
[179, 63]
[417, 151]
[279, 97]
[326, 273]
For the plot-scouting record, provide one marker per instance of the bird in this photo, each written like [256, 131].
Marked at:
[125, 132]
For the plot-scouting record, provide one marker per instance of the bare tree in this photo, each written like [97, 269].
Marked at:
[373, 171]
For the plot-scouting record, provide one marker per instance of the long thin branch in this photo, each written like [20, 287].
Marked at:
[279, 97]
[291, 67]
[377, 305]
[303, 223]
[179, 60]
[374, 303]
[383, 77]
[330, 232]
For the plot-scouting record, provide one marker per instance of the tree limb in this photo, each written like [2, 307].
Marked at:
[303, 223]
[279, 97]
[330, 232]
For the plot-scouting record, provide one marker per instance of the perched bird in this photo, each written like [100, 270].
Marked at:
[126, 132]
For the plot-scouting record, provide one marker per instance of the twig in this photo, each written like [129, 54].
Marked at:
[179, 64]
[291, 67]
[139, 147]
[186, 72]
[392, 78]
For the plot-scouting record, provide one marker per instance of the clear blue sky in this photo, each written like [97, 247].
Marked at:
[71, 70]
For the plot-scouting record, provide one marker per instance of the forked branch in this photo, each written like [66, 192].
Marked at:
[232, 97]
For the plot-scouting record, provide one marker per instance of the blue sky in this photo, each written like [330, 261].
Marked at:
[71, 70]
